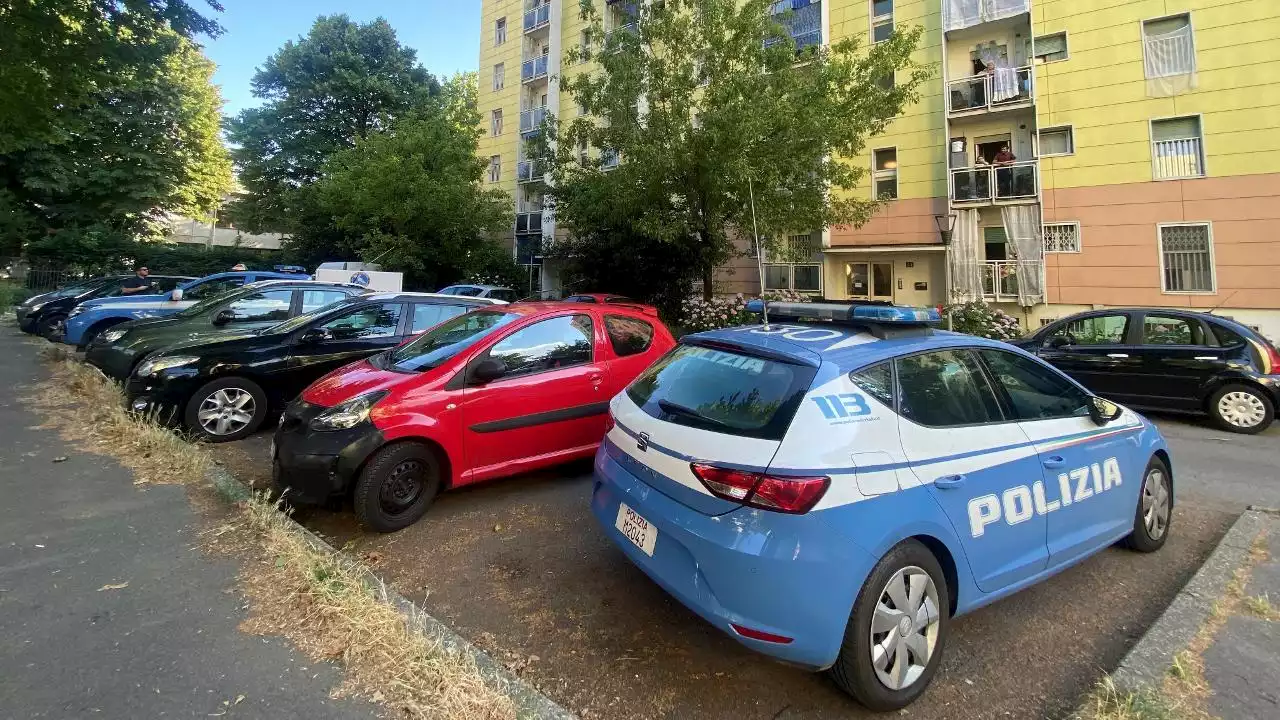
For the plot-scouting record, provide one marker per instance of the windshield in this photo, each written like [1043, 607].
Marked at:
[298, 321]
[432, 348]
[201, 307]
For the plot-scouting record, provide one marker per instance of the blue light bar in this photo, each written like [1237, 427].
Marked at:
[849, 313]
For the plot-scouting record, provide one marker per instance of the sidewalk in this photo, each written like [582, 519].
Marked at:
[108, 608]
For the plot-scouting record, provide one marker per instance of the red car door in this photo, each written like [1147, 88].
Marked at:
[549, 404]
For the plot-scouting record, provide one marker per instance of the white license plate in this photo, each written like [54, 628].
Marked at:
[638, 530]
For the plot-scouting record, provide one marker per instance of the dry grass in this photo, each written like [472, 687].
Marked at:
[317, 599]
[1260, 606]
[1108, 702]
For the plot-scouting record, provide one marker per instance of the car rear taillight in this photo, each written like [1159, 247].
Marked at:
[796, 495]
[1273, 356]
[609, 421]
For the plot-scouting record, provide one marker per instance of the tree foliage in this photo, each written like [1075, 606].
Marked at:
[126, 130]
[706, 101]
[323, 93]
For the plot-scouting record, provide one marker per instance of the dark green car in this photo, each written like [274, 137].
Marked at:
[257, 305]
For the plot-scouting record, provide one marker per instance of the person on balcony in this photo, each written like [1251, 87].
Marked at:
[1003, 161]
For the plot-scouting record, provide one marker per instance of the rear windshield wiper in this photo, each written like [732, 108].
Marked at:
[676, 409]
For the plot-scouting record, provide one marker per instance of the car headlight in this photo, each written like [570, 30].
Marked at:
[152, 366]
[35, 308]
[347, 415]
[111, 336]
[76, 311]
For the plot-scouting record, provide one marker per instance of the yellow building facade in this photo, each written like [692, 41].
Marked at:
[1067, 154]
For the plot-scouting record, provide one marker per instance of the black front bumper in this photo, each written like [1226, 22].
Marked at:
[317, 466]
[27, 320]
[114, 361]
[163, 396]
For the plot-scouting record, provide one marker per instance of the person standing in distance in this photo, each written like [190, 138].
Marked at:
[138, 283]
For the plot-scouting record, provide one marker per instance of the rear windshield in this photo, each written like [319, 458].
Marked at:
[435, 346]
[722, 391]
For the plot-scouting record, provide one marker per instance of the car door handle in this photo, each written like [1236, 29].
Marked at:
[597, 378]
[1206, 357]
[1117, 355]
[949, 482]
[1054, 461]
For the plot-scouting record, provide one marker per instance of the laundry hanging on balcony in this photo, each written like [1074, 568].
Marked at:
[964, 263]
[1169, 60]
[1022, 228]
[959, 14]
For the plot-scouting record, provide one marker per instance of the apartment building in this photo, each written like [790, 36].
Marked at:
[1069, 154]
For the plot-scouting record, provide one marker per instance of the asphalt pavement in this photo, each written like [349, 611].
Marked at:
[1223, 470]
[108, 609]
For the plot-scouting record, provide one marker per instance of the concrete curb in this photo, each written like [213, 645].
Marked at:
[529, 702]
[1149, 660]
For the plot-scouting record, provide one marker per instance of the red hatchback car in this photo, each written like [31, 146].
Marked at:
[488, 394]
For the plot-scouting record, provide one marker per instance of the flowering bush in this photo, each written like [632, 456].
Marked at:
[978, 318]
[785, 296]
[697, 314]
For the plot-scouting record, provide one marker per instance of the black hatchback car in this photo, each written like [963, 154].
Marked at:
[1172, 360]
[222, 387]
[44, 314]
[118, 350]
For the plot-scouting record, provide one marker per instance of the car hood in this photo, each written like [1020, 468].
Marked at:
[220, 342]
[351, 380]
[146, 335]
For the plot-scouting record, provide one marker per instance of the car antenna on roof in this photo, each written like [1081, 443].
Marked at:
[764, 313]
[1224, 302]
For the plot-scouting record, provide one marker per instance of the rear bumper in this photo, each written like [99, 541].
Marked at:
[787, 575]
[316, 466]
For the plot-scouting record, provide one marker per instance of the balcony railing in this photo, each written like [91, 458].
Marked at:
[1000, 280]
[608, 159]
[804, 24]
[537, 18]
[1172, 159]
[528, 171]
[628, 28]
[1006, 87]
[985, 184]
[529, 222]
[534, 69]
[531, 120]
[959, 14]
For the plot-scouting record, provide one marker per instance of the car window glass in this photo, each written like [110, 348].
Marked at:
[503, 294]
[876, 381]
[628, 336]
[211, 288]
[272, 305]
[372, 321]
[1095, 330]
[316, 299]
[1165, 330]
[435, 346]
[1225, 335]
[1035, 391]
[580, 298]
[547, 345]
[165, 284]
[428, 315]
[945, 388]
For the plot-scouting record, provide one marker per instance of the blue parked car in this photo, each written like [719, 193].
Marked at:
[90, 318]
[831, 490]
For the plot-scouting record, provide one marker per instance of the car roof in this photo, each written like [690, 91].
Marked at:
[480, 287]
[303, 281]
[846, 346]
[534, 307]
[1184, 312]
[478, 302]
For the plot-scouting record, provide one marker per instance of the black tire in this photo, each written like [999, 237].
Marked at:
[396, 487]
[853, 670]
[234, 386]
[51, 327]
[1145, 536]
[1255, 397]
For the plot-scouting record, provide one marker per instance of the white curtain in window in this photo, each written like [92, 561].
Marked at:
[1022, 228]
[1169, 60]
[959, 14]
[964, 258]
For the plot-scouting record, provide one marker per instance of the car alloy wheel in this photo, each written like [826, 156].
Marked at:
[1242, 409]
[904, 628]
[226, 411]
[402, 487]
[1155, 503]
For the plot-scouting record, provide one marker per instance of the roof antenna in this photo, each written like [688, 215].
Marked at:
[759, 255]
[1219, 305]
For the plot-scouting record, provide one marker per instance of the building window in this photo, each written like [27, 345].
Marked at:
[1057, 141]
[495, 168]
[1062, 237]
[1168, 46]
[885, 173]
[495, 123]
[499, 76]
[795, 265]
[1186, 258]
[1177, 148]
[1051, 48]
[886, 82]
[881, 20]
[499, 31]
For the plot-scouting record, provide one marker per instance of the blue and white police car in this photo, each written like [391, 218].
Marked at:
[833, 488]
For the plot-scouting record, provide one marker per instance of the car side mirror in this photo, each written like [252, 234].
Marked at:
[314, 335]
[223, 317]
[487, 371]
[176, 294]
[1103, 411]
[1060, 341]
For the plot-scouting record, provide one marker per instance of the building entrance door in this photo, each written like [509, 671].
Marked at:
[870, 280]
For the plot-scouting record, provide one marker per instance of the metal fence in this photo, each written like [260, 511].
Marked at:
[37, 278]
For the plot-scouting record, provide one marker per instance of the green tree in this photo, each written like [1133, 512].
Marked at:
[323, 93]
[706, 100]
[412, 195]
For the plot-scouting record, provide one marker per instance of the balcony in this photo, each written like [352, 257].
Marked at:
[960, 14]
[1000, 278]
[804, 24]
[1003, 184]
[1177, 159]
[537, 18]
[627, 28]
[608, 159]
[527, 171]
[534, 69]
[531, 120]
[529, 222]
[1005, 89]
